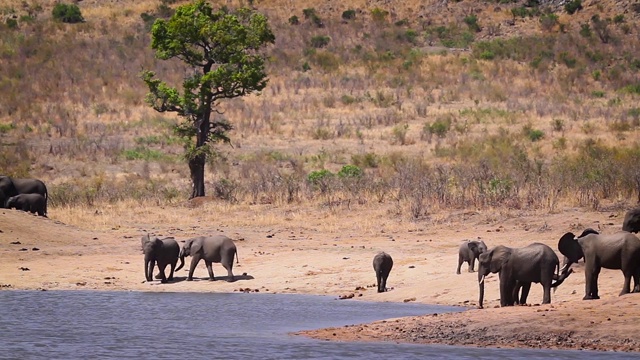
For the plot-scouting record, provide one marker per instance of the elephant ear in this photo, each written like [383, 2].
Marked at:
[196, 246]
[588, 231]
[473, 246]
[499, 256]
[570, 248]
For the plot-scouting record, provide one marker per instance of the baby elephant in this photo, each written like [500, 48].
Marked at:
[34, 203]
[382, 264]
[162, 251]
[469, 252]
[211, 249]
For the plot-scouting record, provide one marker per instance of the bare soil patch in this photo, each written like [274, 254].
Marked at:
[315, 251]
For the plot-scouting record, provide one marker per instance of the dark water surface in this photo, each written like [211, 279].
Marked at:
[141, 325]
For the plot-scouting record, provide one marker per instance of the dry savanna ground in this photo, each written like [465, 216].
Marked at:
[328, 252]
[406, 126]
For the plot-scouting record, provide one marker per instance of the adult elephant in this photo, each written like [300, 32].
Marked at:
[612, 251]
[518, 268]
[162, 251]
[631, 222]
[469, 251]
[382, 265]
[211, 249]
[34, 203]
[15, 186]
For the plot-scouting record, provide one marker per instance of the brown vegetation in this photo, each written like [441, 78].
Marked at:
[420, 112]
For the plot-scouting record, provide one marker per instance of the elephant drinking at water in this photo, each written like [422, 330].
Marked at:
[211, 249]
[518, 268]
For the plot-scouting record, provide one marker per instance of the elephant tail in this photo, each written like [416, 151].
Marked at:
[237, 258]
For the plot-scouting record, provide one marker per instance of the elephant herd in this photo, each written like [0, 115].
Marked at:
[24, 194]
[517, 268]
[166, 252]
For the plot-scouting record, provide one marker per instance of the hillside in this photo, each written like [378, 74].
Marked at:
[489, 95]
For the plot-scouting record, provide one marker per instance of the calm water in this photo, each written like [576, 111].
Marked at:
[127, 325]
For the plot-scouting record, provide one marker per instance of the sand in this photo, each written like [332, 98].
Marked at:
[301, 255]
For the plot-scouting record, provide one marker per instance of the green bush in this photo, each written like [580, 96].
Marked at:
[367, 160]
[320, 41]
[294, 20]
[320, 179]
[533, 134]
[379, 15]
[12, 23]
[572, 6]
[472, 23]
[350, 171]
[349, 14]
[439, 128]
[67, 13]
[548, 21]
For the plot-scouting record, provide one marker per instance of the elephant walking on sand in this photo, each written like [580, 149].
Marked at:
[518, 268]
[382, 264]
[211, 249]
[612, 251]
[469, 251]
[162, 251]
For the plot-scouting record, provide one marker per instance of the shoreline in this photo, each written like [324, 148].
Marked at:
[38, 253]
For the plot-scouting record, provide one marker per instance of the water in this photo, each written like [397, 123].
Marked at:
[140, 325]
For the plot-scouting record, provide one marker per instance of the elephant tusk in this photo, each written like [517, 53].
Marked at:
[564, 267]
[481, 280]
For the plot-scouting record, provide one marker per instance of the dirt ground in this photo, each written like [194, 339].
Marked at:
[330, 253]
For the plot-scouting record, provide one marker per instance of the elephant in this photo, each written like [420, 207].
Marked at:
[162, 251]
[34, 203]
[13, 186]
[631, 222]
[212, 249]
[518, 268]
[382, 264]
[469, 251]
[611, 251]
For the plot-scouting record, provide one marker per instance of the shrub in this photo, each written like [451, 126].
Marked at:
[557, 124]
[618, 19]
[12, 23]
[400, 134]
[533, 134]
[379, 15]
[598, 93]
[548, 21]
[572, 6]
[67, 13]
[350, 171]
[472, 23]
[439, 128]
[320, 179]
[294, 20]
[349, 14]
[320, 41]
[368, 160]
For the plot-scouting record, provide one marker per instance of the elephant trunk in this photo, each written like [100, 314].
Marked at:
[481, 289]
[148, 268]
[181, 260]
[565, 274]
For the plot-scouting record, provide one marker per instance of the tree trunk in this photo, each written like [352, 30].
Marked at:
[196, 166]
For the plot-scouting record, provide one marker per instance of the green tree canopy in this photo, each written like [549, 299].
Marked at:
[222, 47]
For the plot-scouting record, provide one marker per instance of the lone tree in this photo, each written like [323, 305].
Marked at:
[222, 47]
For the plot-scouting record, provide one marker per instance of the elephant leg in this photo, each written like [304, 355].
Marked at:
[383, 284]
[229, 267]
[591, 283]
[472, 264]
[636, 281]
[506, 292]
[525, 293]
[192, 267]
[210, 269]
[626, 287]
[173, 267]
[546, 290]
[379, 281]
[163, 278]
[460, 261]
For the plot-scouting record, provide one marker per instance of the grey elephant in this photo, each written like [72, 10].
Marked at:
[468, 252]
[518, 268]
[34, 203]
[631, 222]
[612, 251]
[164, 252]
[15, 186]
[211, 249]
[382, 264]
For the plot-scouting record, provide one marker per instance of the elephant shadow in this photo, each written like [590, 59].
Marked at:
[244, 276]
